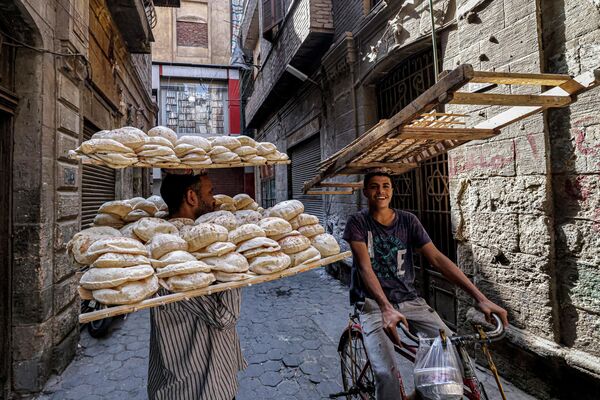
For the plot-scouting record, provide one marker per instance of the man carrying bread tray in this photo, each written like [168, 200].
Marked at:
[383, 240]
[195, 351]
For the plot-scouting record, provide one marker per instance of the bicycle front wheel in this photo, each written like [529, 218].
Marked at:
[357, 375]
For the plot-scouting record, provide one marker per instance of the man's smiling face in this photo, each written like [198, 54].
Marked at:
[379, 192]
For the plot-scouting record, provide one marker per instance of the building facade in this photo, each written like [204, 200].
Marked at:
[518, 213]
[68, 69]
[196, 87]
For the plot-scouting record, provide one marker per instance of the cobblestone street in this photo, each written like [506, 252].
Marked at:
[289, 331]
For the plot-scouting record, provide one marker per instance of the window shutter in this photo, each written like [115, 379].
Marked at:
[272, 16]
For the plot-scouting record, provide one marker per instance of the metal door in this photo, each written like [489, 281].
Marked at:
[97, 185]
[423, 191]
[305, 158]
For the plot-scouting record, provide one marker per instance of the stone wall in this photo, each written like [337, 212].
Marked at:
[106, 87]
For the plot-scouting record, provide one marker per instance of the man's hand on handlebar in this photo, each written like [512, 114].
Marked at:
[391, 318]
[488, 307]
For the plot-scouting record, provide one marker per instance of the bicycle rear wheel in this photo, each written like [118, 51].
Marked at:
[357, 376]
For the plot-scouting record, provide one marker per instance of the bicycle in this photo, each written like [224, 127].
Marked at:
[358, 378]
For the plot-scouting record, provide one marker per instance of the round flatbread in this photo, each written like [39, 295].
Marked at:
[165, 132]
[223, 199]
[232, 262]
[228, 142]
[326, 244]
[184, 268]
[136, 215]
[146, 228]
[116, 260]
[224, 158]
[174, 257]
[256, 243]
[227, 207]
[147, 206]
[158, 141]
[164, 243]
[287, 209]
[245, 151]
[265, 148]
[107, 146]
[181, 222]
[303, 220]
[247, 217]
[103, 278]
[120, 245]
[290, 233]
[81, 242]
[196, 141]
[294, 244]
[274, 226]
[246, 232]
[305, 256]
[133, 201]
[234, 277]
[223, 218]
[201, 235]
[118, 207]
[311, 230]
[108, 220]
[158, 202]
[132, 138]
[242, 200]
[128, 293]
[183, 283]
[246, 141]
[270, 263]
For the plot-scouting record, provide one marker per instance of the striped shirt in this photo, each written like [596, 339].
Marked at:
[195, 351]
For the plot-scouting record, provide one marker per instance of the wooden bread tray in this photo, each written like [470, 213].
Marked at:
[220, 287]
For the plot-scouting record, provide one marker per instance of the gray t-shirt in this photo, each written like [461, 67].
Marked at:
[391, 251]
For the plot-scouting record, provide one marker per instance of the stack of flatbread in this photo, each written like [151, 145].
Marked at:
[193, 151]
[121, 214]
[120, 271]
[224, 202]
[157, 151]
[269, 152]
[224, 218]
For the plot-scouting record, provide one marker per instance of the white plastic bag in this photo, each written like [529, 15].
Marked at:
[437, 371]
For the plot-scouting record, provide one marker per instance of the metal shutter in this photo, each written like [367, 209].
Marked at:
[97, 187]
[305, 158]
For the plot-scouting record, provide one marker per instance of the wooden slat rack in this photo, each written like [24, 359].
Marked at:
[220, 287]
[89, 161]
[419, 131]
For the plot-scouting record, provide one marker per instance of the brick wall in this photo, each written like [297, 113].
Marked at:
[192, 34]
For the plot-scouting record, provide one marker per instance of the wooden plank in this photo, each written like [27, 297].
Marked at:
[512, 78]
[354, 185]
[382, 165]
[496, 99]
[451, 82]
[579, 84]
[209, 166]
[446, 133]
[328, 192]
[182, 296]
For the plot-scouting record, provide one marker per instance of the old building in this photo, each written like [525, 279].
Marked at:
[196, 88]
[518, 212]
[68, 69]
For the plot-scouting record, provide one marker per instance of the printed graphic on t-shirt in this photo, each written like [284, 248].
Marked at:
[387, 250]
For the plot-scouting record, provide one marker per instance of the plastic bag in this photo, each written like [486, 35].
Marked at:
[438, 371]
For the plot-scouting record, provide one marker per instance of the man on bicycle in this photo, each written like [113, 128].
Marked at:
[383, 240]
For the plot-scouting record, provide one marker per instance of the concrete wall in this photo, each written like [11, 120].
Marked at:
[526, 201]
[54, 99]
[214, 13]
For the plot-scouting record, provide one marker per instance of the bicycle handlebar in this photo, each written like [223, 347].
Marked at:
[496, 334]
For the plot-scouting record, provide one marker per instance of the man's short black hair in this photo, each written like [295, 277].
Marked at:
[371, 174]
[174, 187]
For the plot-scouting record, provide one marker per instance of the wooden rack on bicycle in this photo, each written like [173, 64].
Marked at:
[420, 132]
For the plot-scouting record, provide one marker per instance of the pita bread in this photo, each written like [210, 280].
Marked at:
[244, 151]
[150, 151]
[103, 278]
[188, 267]
[223, 158]
[305, 256]
[216, 150]
[118, 244]
[247, 217]
[183, 148]
[227, 207]
[326, 244]
[294, 244]
[246, 232]
[234, 277]
[161, 214]
[118, 207]
[136, 215]
[290, 233]
[131, 138]
[116, 260]
[201, 235]
[287, 209]
[276, 156]
[147, 206]
[128, 293]
[158, 141]
[165, 132]
[158, 202]
[181, 222]
[304, 219]
[232, 262]
[251, 207]
[228, 142]
[223, 199]
[223, 218]
[102, 145]
[183, 283]
[196, 141]
[219, 249]
[195, 158]
[256, 243]
[81, 242]
[115, 160]
[257, 160]
[242, 200]
[108, 220]
[174, 257]
[265, 148]
[311, 230]
[270, 263]
[147, 227]
[274, 226]
[246, 141]
[135, 200]
[164, 243]
[127, 231]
